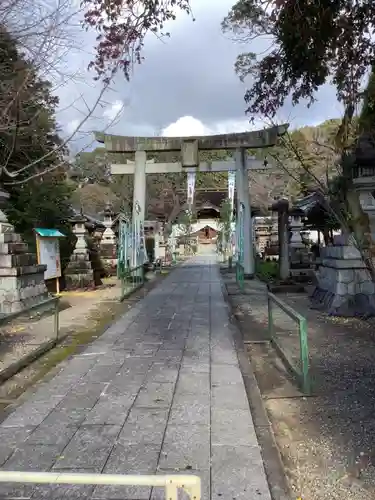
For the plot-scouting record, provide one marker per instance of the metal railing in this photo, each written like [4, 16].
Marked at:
[131, 280]
[189, 483]
[240, 274]
[45, 306]
[302, 374]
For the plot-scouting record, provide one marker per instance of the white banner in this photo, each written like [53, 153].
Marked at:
[190, 188]
[231, 185]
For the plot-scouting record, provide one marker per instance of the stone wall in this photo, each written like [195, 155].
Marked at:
[344, 284]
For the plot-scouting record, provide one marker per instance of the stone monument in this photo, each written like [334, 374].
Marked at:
[79, 272]
[21, 278]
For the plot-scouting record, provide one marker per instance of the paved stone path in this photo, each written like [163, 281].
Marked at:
[160, 392]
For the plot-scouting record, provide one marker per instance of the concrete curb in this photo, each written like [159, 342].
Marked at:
[273, 464]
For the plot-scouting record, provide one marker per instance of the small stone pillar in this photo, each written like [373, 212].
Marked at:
[282, 209]
[79, 272]
[108, 242]
[21, 278]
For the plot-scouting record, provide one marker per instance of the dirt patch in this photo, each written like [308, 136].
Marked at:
[94, 319]
[327, 442]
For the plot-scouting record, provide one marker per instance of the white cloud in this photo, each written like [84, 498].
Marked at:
[72, 126]
[114, 110]
[188, 125]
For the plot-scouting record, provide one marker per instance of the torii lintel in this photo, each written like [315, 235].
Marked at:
[249, 140]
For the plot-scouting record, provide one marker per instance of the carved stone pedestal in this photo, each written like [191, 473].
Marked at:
[21, 278]
[344, 285]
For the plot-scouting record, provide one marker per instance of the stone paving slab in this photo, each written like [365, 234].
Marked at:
[160, 392]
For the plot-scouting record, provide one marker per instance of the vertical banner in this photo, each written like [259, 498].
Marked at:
[190, 189]
[231, 184]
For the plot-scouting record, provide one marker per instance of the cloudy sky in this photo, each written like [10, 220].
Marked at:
[185, 86]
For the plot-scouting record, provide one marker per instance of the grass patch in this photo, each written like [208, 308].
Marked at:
[267, 270]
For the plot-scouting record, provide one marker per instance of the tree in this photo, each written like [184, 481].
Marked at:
[28, 131]
[42, 203]
[46, 34]
[122, 26]
[92, 167]
[185, 224]
[310, 43]
[315, 43]
[95, 186]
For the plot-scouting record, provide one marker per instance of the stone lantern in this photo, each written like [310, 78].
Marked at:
[79, 272]
[296, 226]
[108, 247]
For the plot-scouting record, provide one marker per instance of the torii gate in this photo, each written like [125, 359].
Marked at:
[189, 148]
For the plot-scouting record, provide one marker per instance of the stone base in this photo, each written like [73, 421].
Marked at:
[79, 272]
[84, 280]
[344, 284]
[21, 279]
[23, 291]
[108, 255]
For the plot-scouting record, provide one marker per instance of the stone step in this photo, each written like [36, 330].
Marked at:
[13, 248]
[17, 260]
[19, 271]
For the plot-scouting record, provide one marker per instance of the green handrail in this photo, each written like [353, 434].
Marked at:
[240, 275]
[131, 280]
[302, 375]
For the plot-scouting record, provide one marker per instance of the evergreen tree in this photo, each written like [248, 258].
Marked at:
[31, 152]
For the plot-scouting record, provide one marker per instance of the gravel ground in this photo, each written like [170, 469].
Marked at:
[327, 441]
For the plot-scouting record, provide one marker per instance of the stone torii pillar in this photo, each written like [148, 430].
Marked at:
[243, 198]
[189, 148]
